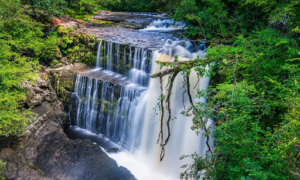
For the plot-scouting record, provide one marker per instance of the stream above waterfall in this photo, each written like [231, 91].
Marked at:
[115, 104]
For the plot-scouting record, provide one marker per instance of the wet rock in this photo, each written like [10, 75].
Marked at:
[125, 36]
[113, 150]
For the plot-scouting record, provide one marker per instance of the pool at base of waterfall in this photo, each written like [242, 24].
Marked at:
[138, 167]
[135, 163]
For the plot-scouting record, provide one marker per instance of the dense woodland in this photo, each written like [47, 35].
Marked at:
[253, 54]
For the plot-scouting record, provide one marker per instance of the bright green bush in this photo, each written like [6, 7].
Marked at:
[84, 6]
[207, 18]
[55, 7]
[255, 106]
[20, 43]
[2, 165]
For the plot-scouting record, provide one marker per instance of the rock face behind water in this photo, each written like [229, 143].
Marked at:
[44, 152]
[63, 81]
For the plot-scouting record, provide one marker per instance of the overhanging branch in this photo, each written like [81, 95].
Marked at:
[169, 117]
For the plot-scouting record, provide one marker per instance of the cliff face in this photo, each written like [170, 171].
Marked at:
[44, 151]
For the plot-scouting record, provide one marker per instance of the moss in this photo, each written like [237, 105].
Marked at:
[101, 22]
[64, 82]
[61, 29]
[81, 48]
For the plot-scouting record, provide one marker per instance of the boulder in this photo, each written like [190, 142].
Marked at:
[39, 91]
[113, 150]
[6, 154]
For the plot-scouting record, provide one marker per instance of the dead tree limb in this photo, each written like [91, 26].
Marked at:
[161, 135]
[179, 62]
[177, 67]
[170, 114]
[191, 101]
[164, 73]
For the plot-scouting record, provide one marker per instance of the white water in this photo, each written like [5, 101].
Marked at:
[183, 140]
[126, 114]
[165, 25]
[140, 169]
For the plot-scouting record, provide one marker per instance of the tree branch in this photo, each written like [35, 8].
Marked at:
[170, 114]
[191, 101]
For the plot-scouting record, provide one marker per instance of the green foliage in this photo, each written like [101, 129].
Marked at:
[50, 49]
[88, 5]
[84, 6]
[207, 18]
[13, 71]
[55, 7]
[24, 46]
[2, 167]
[20, 40]
[134, 5]
[79, 48]
[62, 7]
[255, 106]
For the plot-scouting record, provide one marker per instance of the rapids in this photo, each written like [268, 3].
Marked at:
[115, 103]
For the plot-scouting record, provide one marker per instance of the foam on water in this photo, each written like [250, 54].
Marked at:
[164, 25]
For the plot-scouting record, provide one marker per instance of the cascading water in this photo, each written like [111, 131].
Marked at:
[165, 25]
[105, 108]
[183, 141]
[117, 100]
[132, 62]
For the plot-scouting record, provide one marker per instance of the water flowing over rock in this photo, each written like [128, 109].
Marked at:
[118, 103]
[44, 151]
[105, 108]
[164, 25]
[130, 61]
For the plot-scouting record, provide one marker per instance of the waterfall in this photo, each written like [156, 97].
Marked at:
[165, 25]
[183, 140]
[105, 108]
[136, 64]
[118, 101]
[99, 52]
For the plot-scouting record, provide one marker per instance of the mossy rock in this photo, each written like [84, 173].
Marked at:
[61, 29]
[64, 83]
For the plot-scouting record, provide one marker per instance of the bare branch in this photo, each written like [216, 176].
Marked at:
[191, 101]
[170, 114]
